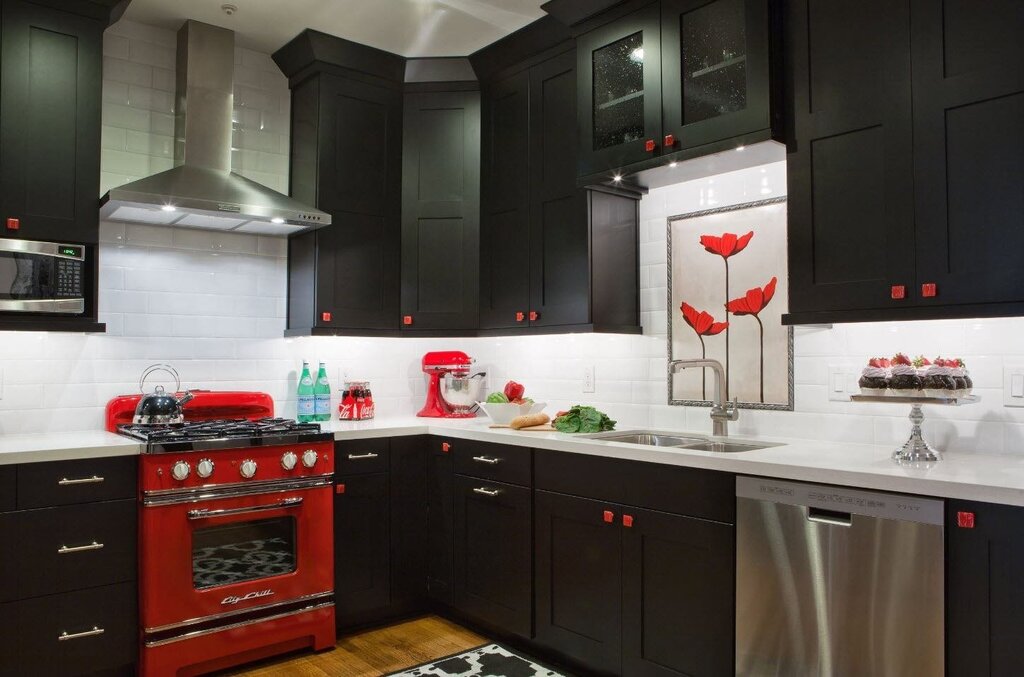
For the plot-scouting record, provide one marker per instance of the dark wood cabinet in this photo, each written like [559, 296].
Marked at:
[493, 553]
[362, 550]
[984, 598]
[408, 524]
[50, 82]
[441, 211]
[440, 550]
[905, 163]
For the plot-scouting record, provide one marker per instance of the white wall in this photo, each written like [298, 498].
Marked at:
[212, 304]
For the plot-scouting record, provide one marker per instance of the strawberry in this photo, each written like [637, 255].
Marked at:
[922, 361]
[902, 359]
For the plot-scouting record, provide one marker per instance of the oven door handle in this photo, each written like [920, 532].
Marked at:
[205, 513]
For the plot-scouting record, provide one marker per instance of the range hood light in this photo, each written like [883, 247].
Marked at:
[169, 208]
[277, 219]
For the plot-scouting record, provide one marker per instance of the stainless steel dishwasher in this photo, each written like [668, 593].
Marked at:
[834, 582]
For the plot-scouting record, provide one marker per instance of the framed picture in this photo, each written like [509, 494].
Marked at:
[727, 292]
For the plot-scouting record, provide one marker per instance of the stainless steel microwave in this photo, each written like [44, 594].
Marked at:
[42, 277]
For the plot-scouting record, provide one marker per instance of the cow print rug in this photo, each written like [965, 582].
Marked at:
[490, 660]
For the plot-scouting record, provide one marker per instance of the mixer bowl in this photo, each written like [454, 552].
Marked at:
[461, 393]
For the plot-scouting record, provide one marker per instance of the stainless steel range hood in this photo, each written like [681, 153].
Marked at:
[201, 191]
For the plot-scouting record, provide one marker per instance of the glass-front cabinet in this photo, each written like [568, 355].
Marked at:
[715, 70]
[620, 92]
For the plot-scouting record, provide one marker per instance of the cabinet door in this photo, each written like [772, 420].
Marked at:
[985, 600]
[50, 82]
[440, 522]
[619, 68]
[441, 211]
[559, 237]
[678, 596]
[969, 149]
[408, 522]
[505, 236]
[494, 553]
[714, 68]
[362, 577]
[579, 580]
[850, 166]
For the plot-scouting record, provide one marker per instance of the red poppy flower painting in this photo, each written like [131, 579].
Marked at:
[752, 303]
[726, 245]
[703, 324]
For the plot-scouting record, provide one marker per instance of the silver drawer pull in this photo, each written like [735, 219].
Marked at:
[487, 459]
[65, 482]
[486, 492]
[64, 636]
[205, 513]
[357, 457]
[64, 550]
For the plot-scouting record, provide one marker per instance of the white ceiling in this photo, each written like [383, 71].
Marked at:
[406, 27]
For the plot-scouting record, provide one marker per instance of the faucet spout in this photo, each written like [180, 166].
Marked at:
[722, 411]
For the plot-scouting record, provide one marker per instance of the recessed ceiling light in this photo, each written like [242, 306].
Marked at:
[169, 208]
[617, 178]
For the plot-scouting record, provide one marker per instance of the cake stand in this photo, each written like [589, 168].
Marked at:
[916, 448]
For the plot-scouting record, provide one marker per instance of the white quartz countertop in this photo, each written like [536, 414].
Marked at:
[995, 478]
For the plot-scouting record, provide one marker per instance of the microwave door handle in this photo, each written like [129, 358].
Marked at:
[204, 513]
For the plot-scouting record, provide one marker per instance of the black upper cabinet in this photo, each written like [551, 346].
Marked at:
[441, 211]
[50, 82]
[619, 77]
[907, 160]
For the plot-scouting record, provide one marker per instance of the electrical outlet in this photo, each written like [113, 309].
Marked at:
[842, 382]
[588, 378]
[1013, 385]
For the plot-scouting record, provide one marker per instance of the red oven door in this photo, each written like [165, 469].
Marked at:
[220, 556]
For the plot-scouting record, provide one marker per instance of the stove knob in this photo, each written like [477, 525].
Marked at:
[309, 458]
[248, 468]
[204, 468]
[180, 470]
[288, 460]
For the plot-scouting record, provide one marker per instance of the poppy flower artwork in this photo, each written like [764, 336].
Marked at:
[719, 262]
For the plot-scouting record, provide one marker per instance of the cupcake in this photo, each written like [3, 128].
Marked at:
[904, 380]
[922, 363]
[938, 380]
[874, 380]
[958, 370]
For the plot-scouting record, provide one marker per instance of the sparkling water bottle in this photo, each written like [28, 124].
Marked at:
[322, 395]
[306, 408]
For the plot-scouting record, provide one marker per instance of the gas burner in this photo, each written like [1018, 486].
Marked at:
[224, 434]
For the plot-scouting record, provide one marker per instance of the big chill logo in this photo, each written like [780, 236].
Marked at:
[255, 594]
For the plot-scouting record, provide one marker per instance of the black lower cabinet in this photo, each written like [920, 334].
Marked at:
[493, 553]
[408, 524]
[984, 595]
[678, 596]
[362, 576]
[440, 521]
[579, 580]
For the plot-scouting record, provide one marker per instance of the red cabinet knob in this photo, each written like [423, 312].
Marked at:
[965, 520]
[407, 320]
[609, 516]
[650, 145]
[670, 140]
[339, 489]
[898, 291]
[534, 316]
[928, 289]
[446, 447]
[326, 317]
[13, 224]
[520, 316]
[627, 521]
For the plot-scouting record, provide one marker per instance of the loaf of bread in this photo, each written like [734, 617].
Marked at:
[528, 421]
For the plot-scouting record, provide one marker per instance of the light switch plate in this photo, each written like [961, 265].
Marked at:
[1013, 385]
[842, 382]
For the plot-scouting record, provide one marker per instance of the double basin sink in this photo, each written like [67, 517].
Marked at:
[674, 441]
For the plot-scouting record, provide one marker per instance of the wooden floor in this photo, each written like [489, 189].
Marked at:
[375, 652]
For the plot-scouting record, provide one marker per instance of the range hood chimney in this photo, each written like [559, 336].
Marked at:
[201, 191]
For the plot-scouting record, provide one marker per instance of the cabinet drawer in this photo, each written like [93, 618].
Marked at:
[356, 457]
[79, 633]
[498, 462]
[69, 548]
[8, 485]
[684, 491]
[41, 485]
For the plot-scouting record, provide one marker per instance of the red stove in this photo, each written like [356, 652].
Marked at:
[235, 534]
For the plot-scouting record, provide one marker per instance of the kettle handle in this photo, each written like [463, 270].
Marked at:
[165, 368]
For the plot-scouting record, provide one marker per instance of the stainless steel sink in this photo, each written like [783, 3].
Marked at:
[650, 439]
[723, 447]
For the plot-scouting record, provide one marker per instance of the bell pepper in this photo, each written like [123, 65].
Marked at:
[514, 391]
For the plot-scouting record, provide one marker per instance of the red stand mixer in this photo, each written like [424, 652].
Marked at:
[451, 391]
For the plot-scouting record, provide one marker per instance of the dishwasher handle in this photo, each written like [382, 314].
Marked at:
[833, 517]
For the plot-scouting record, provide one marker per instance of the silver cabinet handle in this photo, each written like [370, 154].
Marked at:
[487, 459]
[96, 630]
[65, 550]
[357, 457]
[205, 513]
[486, 492]
[65, 482]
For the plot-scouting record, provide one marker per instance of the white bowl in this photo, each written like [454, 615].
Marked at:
[503, 413]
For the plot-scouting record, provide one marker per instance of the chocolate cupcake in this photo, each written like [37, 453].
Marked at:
[938, 380]
[904, 380]
[958, 370]
[874, 380]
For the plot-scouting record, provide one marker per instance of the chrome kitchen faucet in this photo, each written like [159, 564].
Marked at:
[722, 411]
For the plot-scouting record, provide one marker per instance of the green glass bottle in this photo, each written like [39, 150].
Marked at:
[322, 395]
[306, 411]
